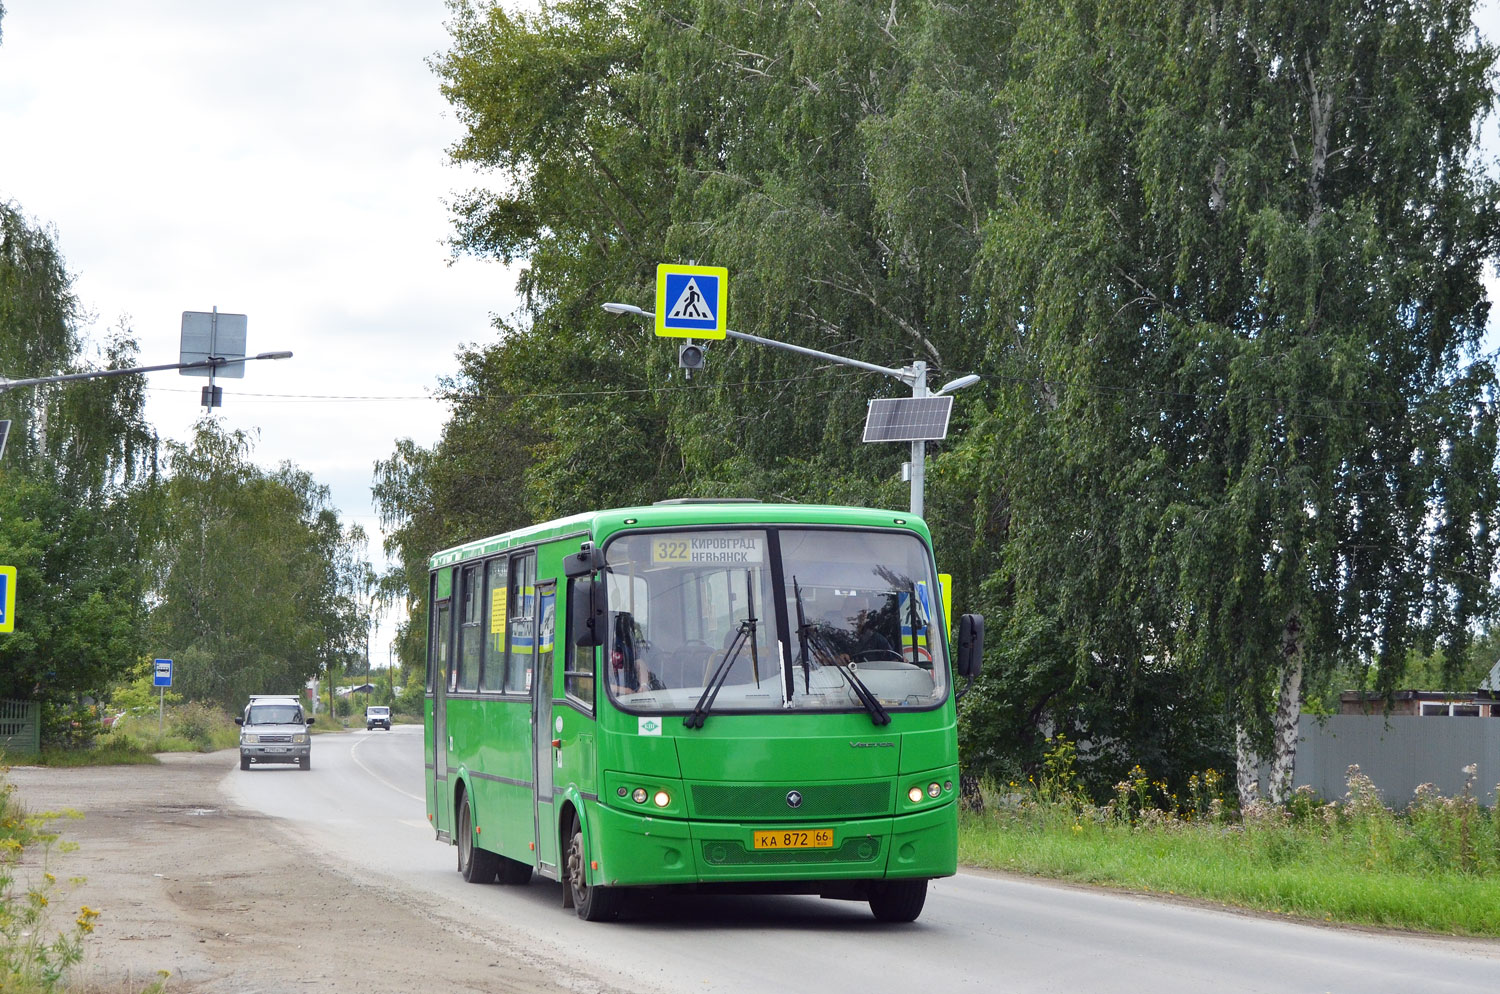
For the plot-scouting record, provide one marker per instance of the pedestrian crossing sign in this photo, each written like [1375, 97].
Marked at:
[691, 301]
[7, 598]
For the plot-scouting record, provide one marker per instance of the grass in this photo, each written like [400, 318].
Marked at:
[1434, 867]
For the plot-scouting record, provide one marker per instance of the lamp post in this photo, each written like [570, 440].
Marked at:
[914, 376]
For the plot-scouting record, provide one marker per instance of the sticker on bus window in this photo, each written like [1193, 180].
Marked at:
[497, 611]
[707, 550]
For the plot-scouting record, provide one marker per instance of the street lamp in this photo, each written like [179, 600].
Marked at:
[210, 364]
[914, 376]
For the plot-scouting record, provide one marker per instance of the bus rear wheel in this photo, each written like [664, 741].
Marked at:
[898, 900]
[476, 865]
[591, 903]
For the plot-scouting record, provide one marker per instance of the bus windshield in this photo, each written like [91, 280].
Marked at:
[690, 608]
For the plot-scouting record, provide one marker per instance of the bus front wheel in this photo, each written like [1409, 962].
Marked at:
[592, 903]
[476, 865]
[898, 900]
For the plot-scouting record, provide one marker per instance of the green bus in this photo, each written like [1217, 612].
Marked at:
[705, 694]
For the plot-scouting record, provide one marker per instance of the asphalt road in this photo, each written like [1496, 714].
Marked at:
[361, 806]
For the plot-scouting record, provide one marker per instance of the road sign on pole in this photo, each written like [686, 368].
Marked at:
[692, 301]
[163, 673]
[7, 598]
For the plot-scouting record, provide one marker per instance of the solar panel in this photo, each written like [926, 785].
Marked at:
[908, 419]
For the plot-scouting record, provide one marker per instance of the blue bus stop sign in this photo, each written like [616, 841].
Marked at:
[163, 673]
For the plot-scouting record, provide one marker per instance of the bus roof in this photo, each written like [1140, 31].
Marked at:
[599, 525]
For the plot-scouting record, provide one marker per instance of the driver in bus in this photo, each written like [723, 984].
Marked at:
[628, 672]
[853, 634]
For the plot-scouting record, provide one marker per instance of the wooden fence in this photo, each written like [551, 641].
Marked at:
[20, 727]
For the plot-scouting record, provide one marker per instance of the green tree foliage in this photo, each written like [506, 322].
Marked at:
[1219, 263]
[257, 587]
[79, 605]
[1236, 261]
[74, 451]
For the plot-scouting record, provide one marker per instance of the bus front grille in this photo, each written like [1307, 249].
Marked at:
[819, 800]
[731, 852]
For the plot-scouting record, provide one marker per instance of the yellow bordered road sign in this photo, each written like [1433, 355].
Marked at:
[7, 598]
[692, 301]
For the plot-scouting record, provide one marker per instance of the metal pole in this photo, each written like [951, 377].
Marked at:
[101, 374]
[918, 448]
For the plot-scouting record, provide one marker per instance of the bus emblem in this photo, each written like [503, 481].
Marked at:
[794, 799]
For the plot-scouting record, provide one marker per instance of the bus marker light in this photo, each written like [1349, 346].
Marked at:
[915, 794]
[533, 847]
[947, 784]
[662, 799]
[593, 864]
[623, 791]
[639, 796]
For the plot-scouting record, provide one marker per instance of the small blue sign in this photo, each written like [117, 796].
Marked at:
[163, 673]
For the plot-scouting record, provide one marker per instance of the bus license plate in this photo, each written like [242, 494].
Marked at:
[809, 838]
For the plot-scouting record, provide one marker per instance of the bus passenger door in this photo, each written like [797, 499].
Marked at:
[442, 667]
[544, 734]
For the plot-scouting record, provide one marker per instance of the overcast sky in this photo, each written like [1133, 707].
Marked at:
[282, 159]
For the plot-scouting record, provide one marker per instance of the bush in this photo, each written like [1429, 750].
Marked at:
[33, 957]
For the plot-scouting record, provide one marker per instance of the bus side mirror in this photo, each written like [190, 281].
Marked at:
[970, 644]
[584, 562]
[586, 613]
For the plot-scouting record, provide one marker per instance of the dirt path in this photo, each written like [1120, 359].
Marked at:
[230, 904]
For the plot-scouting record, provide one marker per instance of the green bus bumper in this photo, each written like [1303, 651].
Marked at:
[635, 850]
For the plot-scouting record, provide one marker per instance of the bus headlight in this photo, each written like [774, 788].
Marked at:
[639, 796]
[662, 799]
[933, 790]
[915, 795]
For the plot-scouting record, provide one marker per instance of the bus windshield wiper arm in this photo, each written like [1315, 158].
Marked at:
[810, 636]
[878, 713]
[700, 710]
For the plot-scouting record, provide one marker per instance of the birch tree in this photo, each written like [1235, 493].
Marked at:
[1237, 260]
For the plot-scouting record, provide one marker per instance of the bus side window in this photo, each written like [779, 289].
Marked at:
[470, 638]
[496, 594]
[522, 623]
[578, 669]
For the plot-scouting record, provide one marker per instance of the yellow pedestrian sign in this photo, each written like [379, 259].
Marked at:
[692, 301]
[7, 598]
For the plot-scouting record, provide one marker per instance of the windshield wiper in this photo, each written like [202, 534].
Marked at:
[802, 638]
[809, 634]
[721, 673]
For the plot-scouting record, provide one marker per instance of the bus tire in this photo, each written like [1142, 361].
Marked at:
[514, 872]
[475, 865]
[592, 904]
[898, 900]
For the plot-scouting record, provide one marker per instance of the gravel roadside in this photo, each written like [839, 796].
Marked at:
[230, 904]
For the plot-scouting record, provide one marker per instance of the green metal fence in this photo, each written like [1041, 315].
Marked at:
[20, 727]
